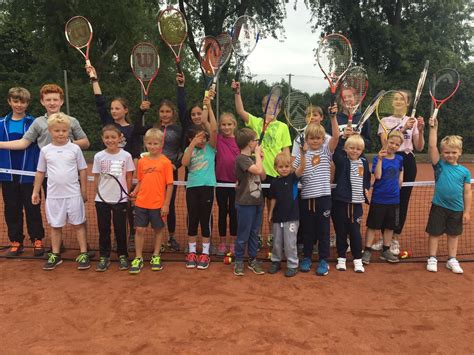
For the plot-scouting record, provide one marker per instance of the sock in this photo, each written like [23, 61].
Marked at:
[192, 247]
[385, 248]
[205, 248]
[451, 257]
[434, 257]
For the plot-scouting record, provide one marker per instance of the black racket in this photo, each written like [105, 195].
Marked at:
[110, 190]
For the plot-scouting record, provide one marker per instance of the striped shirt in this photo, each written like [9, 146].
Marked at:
[316, 179]
[357, 181]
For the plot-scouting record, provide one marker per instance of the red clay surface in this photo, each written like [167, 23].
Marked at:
[389, 309]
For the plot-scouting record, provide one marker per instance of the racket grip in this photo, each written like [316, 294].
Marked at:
[333, 98]
[237, 75]
[206, 94]
[435, 113]
[91, 74]
[178, 66]
[413, 112]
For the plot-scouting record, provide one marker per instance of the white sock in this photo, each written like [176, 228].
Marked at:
[205, 248]
[192, 247]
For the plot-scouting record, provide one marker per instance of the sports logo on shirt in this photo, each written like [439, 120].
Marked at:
[315, 160]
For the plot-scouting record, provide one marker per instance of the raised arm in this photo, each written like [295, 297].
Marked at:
[419, 139]
[334, 129]
[302, 159]
[212, 122]
[433, 151]
[100, 102]
[181, 101]
[239, 105]
[378, 167]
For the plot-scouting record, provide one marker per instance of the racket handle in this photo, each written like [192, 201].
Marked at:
[333, 98]
[237, 75]
[413, 112]
[178, 66]
[91, 74]
[435, 113]
[206, 94]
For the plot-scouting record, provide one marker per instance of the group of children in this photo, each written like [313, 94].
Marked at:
[214, 152]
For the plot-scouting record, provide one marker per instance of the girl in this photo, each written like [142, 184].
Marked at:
[199, 158]
[227, 152]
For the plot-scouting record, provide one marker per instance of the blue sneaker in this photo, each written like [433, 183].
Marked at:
[305, 265]
[323, 268]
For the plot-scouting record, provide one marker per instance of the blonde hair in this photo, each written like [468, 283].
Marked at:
[154, 133]
[314, 130]
[452, 141]
[19, 93]
[355, 140]
[397, 134]
[282, 158]
[58, 118]
[312, 109]
[229, 115]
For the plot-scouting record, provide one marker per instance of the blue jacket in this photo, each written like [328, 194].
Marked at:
[343, 189]
[30, 154]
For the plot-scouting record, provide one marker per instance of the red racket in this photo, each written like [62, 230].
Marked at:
[78, 32]
[210, 53]
[173, 30]
[443, 86]
[145, 64]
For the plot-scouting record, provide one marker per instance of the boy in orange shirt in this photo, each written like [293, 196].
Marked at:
[153, 195]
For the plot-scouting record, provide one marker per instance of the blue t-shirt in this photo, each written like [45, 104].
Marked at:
[201, 168]
[449, 185]
[387, 190]
[16, 131]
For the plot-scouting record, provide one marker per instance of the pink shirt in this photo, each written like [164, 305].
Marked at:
[227, 152]
[392, 121]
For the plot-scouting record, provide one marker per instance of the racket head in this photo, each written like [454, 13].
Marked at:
[210, 54]
[444, 84]
[297, 110]
[110, 190]
[225, 43]
[419, 87]
[78, 32]
[272, 102]
[145, 63]
[368, 111]
[391, 103]
[172, 26]
[245, 35]
[334, 57]
[353, 89]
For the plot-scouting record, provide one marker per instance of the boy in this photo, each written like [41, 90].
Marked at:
[17, 189]
[352, 180]
[387, 168]
[63, 161]
[276, 139]
[451, 205]
[284, 214]
[153, 195]
[249, 172]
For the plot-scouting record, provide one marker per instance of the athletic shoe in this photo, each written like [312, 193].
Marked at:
[15, 249]
[256, 266]
[221, 249]
[341, 264]
[274, 267]
[323, 268]
[203, 262]
[432, 264]
[123, 263]
[388, 256]
[156, 263]
[53, 261]
[38, 247]
[83, 261]
[137, 265]
[103, 264]
[131, 242]
[395, 247]
[332, 242]
[270, 240]
[305, 265]
[291, 271]
[173, 243]
[366, 256]
[191, 261]
[358, 266]
[239, 268]
[377, 246]
[453, 265]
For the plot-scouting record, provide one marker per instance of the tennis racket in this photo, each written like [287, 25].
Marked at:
[245, 35]
[272, 107]
[390, 110]
[78, 32]
[110, 190]
[419, 88]
[225, 42]
[443, 87]
[368, 112]
[145, 64]
[173, 30]
[210, 53]
[354, 87]
[334, 57]
[297, 110]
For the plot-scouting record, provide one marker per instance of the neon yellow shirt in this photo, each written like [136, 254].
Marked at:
[277, 137]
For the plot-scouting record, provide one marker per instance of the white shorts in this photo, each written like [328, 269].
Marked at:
[60, 211]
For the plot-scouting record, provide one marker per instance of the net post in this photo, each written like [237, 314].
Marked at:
[66, 90]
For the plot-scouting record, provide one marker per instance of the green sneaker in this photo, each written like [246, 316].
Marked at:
[256, 266]
[83, 261]
[53, 261]
[136, 267]
[239, 268]
[156, 263]
[123, 263]
[103, 264]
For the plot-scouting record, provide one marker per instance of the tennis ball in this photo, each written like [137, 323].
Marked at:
[228, 259]
[269, 255]
[405, 254]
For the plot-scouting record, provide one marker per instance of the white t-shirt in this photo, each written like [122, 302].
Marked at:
[62, 164]
[297, 144]
[399, 123]
[115, 164]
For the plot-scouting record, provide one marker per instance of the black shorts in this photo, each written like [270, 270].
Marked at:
[443, 220]
[383, 216]
[145, 216]
[266, 191]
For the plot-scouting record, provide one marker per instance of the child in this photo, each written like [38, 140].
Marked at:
[451, 205]
[153, 195]
[199, 158]
[249, 172]
[387, 168]
[314, 114]
[63, 161]
[314, 166]
[284, 214]
[17, 189]
[227, 152]
[116, 161]
[352, 180]
[276, 139]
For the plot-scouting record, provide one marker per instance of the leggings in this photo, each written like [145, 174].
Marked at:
[226, 201]
[199, 200]
[409, 175]
[171, 219]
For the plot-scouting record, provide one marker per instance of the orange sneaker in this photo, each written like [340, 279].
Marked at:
[38, 247]
[15, 249]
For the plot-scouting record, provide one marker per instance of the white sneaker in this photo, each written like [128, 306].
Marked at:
[341, 264]
[454, 266]
[358, 266]
[378, 245]
[395, 247]
[332, 242]
[432, 265]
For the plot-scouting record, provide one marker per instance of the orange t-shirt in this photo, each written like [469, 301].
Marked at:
[153, 175]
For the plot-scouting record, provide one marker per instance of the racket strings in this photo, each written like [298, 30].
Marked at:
[145, 61]
[245, 36]
[444, 84]
[296, 108]
[173, 28]
[225, 43]
[334, 55]
[210, 55]
[78, 32]
[354, 88]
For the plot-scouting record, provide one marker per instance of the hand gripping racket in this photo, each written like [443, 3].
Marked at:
[443, 87]
[390, 110]
[297, 109]
[354, 87]
[145, 64]
[419, 88]
[368, 112]
[272, 107]
[245, 36]
[78, 32]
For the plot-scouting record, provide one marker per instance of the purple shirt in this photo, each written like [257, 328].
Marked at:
[227, 152]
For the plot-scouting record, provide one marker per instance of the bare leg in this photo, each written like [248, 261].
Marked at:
[139, 241]
[81, 236]
[158, 241]
[56, 239]
[369, 237]
[387, 237]
[433, 245]
[453, 245]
